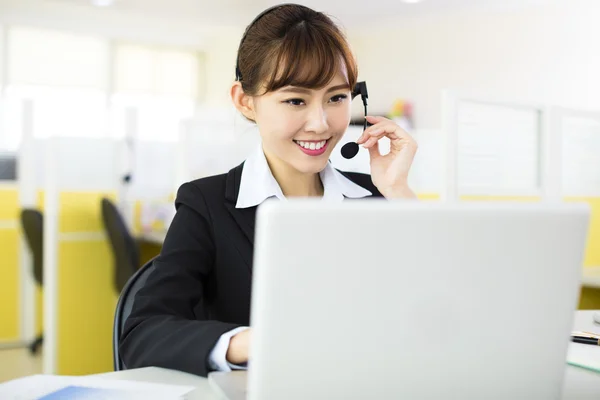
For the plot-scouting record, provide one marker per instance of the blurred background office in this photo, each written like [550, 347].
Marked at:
[107, 106]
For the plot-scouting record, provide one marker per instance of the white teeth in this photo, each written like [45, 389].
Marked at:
[312, 145]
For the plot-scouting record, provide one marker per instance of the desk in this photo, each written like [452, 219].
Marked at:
[579, 384]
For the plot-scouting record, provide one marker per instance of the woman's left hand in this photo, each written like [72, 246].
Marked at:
[389, 172]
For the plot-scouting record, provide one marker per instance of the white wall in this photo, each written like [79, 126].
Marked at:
[78, 16]
[549, 54]
[220, 68]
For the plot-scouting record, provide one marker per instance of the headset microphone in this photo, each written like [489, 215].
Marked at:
[350, 149]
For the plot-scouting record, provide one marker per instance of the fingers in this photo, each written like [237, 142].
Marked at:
[376, 132]
[385, 127]
[374, 150]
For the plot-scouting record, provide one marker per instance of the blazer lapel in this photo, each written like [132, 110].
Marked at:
[244, 217]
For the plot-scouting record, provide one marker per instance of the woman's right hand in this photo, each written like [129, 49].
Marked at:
[237, 353]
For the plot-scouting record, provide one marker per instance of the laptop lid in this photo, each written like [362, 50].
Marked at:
[372, 299]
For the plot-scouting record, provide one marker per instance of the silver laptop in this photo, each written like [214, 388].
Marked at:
[398, 299]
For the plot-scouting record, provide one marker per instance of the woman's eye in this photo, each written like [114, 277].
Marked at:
[294, 102]
[339, 98]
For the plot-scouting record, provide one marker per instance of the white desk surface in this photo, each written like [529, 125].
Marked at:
[579, 384]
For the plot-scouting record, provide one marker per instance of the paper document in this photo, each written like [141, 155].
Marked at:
[50, 387]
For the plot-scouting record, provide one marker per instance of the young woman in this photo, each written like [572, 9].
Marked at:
[294, 78]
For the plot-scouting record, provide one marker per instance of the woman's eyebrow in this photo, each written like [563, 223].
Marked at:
[297, 89]
[338, 87]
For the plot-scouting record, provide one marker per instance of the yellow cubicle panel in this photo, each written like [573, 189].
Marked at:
[428, 196]
[9, 264]
[39, 310]
[137, 218]
[81, 212]
[9, 285]
[9, 204]
[592, 254]
[86, 305]
[527, 199]
[86, 296]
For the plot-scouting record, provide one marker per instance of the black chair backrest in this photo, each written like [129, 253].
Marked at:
[33, 227]
[124, 307]
[125, 252]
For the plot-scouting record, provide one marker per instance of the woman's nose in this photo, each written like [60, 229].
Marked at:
[317, 121]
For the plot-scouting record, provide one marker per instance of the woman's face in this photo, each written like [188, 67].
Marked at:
[300, 126]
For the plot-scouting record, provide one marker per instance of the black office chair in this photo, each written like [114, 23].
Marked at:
[125, 249]
[32, 222]
[124, 307]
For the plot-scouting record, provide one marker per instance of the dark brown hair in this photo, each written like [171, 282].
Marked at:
[293, 45]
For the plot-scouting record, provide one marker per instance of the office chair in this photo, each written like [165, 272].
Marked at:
[32, 222]
[124, 307]
[125, 250]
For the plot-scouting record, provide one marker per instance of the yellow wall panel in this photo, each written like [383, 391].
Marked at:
[9, 204]
[80, 212]
[589, 299]
[9, 284]
[86, 305]
[428, 196]
[592, 254]
[39, 310]
[137, 218]
[524, 199]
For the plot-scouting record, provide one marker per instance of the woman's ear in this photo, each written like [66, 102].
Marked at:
[243, 102]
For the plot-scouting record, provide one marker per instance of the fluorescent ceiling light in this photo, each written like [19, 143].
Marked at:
[102, 3]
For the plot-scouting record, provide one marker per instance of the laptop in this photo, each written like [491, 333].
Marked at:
[399, 299]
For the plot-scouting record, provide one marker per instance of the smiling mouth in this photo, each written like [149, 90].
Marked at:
[313, 148]
[312, 145]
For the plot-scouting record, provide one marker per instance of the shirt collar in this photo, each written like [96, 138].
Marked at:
[258, 184]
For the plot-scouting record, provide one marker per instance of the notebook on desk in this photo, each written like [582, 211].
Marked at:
[584, 356]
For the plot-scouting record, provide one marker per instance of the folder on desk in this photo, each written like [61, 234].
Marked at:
[51, 387]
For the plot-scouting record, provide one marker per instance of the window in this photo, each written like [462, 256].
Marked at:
[64, 74]
[163, 85]
[49, 58]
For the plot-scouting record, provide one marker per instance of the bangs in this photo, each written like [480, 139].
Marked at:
[309, 56]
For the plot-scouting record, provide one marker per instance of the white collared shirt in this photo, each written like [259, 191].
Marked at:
[257, 185]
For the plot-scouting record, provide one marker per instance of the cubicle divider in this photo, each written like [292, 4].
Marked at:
[79, 294]
[579, 135]
[212, 143]
[17, 289]
[513, 151]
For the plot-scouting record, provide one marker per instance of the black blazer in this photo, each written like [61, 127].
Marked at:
[201, 284]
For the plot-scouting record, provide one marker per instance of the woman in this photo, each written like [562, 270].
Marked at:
[294, 78]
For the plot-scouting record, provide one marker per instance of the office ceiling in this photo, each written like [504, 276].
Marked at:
[195, 23]
[235, 12]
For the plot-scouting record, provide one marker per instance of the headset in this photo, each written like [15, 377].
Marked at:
[350, 149]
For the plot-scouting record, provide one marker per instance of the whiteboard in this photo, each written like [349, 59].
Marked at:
[498, 148]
